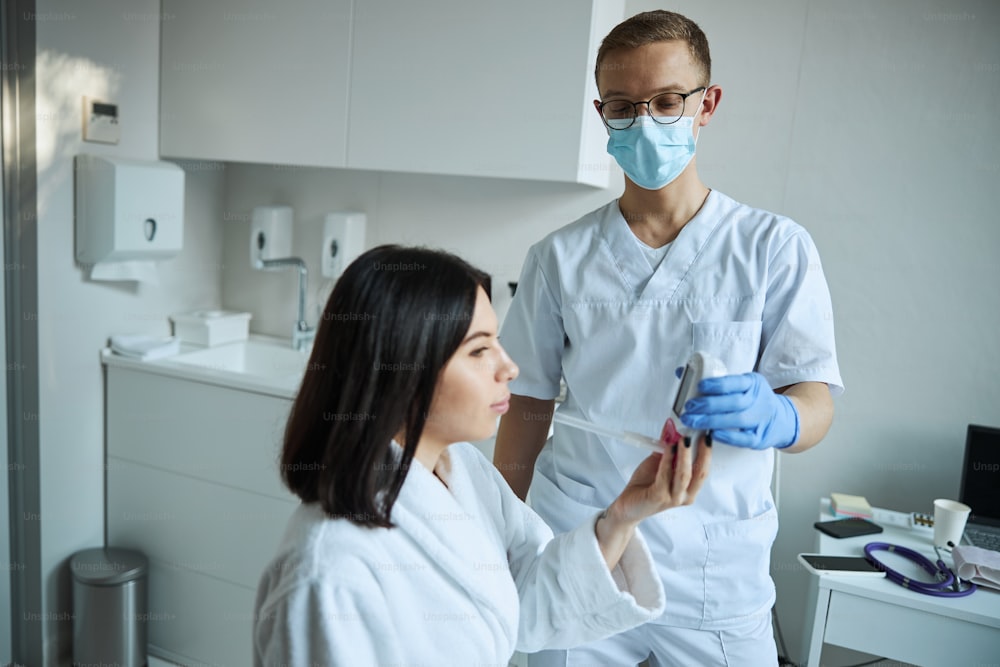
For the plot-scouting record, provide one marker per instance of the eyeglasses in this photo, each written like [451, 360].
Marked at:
[665, 108]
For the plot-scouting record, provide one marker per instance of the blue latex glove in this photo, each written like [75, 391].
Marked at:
[743, 410]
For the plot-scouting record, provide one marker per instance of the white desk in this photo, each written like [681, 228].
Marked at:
[876, 616]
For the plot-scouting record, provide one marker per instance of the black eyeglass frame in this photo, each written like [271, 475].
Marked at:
[635, 108]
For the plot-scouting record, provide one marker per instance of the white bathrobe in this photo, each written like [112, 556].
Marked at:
[468, 574]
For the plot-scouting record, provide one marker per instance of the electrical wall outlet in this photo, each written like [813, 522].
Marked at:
[921, 521]
[343, 241]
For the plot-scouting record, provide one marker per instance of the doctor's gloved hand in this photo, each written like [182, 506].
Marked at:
[744, 411]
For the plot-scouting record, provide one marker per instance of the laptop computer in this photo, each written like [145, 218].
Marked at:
[981, 486]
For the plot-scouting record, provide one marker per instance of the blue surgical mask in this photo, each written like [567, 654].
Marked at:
[653, 155]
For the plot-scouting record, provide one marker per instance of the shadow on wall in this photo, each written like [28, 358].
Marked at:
[61, 82]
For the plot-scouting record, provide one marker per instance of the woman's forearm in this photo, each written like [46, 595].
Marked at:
[613, 535]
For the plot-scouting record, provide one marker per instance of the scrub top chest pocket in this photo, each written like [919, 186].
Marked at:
[735, 344]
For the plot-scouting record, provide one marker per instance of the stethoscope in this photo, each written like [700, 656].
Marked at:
[948, 585]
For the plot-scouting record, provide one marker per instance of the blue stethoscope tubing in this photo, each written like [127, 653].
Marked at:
[945, 577]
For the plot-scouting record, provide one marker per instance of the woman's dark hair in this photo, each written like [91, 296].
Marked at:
[393, 321]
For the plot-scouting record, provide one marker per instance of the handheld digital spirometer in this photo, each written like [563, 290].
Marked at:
[698, 367]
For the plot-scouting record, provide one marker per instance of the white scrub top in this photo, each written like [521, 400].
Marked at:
[741, 284]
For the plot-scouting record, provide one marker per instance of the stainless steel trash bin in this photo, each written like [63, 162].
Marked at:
[109, 607]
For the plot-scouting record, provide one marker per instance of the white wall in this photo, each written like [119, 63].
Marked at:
[490, 222]
[872, 124]
[109, 50]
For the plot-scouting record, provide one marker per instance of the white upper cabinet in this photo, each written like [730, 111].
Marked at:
[255, 80]
[462, 87]
[500, 88]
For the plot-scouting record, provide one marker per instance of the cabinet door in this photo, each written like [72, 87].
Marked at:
[255, 80]
[477, 88]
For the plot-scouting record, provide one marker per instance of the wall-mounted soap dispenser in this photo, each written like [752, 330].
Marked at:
[270, 234]
[343, 241]
[127, 212]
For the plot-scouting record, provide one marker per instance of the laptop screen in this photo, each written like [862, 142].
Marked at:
[981, 474]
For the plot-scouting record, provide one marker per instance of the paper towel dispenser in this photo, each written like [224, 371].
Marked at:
[127, 209]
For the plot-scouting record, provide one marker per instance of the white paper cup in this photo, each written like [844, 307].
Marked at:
[949, 521]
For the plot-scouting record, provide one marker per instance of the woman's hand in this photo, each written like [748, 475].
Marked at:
[661, 482]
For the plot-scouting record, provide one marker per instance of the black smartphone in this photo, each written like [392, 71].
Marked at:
[852, 565]
[848, 527]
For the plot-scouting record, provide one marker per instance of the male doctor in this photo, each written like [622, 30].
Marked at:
[615, 301]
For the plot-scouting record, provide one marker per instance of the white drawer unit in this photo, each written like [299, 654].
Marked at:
[193, 483]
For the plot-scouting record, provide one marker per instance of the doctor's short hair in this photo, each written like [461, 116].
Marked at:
[394, 319]
[658, 26]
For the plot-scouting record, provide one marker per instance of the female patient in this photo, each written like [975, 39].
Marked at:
[408, 547]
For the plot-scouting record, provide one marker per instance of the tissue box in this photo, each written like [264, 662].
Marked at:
[211, 327]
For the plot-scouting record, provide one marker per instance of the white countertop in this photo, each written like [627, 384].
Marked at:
[280, 383]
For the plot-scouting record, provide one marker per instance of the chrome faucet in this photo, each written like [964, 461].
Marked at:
[302, 333]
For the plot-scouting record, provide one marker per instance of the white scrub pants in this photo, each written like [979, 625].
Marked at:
[749, 645]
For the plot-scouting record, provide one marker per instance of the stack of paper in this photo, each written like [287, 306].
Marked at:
[845, 505]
